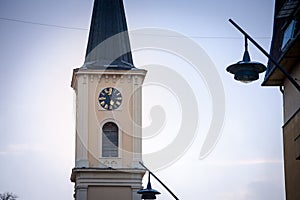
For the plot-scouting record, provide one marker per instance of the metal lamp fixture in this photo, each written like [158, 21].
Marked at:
[246, 70]
[148, 193]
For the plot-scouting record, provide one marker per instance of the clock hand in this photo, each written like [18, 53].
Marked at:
[110, 91]
[112, 102]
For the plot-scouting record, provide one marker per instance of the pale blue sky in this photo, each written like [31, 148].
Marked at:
[37, 117]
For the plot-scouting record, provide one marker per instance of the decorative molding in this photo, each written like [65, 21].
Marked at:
[92, 78]
[85, 77]
[81, 187]
[128, 78]
[140, 72]
[136, 80]
[110, 162]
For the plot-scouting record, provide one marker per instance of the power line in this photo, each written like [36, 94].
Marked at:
[43, 24]
[198, 37]
[85, 29]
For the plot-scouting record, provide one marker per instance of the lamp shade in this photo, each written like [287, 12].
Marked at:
[148, 193]
[246, 70]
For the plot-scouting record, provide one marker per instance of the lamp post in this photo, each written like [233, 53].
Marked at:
[247, 70]
[149, 193]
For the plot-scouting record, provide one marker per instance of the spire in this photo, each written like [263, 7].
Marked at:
[108, 44]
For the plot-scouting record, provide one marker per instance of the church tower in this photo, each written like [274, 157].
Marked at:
[108, 111]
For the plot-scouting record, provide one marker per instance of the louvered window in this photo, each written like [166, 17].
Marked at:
[110, 140]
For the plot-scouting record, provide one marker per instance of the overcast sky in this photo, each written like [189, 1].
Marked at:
[37, 105]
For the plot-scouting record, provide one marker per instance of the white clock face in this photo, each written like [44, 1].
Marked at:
[110, 98]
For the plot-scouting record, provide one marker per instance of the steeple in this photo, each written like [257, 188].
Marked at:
[108, 111]
[108, 44]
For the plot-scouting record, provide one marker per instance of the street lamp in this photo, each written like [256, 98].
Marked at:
[247, 70]
[150, 193]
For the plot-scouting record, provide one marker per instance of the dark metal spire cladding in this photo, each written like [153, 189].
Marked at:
[108, 44]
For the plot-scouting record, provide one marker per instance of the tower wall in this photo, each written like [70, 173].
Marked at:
[94, 173]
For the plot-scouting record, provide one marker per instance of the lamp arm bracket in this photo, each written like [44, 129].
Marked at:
[175, 197]
[247, 36]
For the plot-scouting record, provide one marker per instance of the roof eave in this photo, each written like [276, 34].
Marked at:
[289, 57]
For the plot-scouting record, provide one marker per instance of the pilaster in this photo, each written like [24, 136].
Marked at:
[82, 122]
[137, 121]
[81, 193]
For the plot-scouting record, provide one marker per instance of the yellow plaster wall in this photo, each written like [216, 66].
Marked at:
[291, 95]
[291, 132]
[123, 116]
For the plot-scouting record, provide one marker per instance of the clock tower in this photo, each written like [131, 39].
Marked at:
[108, 111]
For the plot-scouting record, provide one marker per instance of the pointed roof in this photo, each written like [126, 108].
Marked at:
[108, 44]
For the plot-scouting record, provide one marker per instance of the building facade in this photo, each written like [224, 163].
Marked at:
[108, 111]
[285, 48]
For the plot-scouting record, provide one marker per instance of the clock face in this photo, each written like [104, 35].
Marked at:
[110, 98]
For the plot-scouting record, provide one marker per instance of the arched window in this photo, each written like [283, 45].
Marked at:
[110, 140]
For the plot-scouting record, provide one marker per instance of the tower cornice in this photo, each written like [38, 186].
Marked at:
[102, 72]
